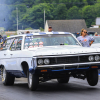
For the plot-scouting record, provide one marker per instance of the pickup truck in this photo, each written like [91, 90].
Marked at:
[44, 56]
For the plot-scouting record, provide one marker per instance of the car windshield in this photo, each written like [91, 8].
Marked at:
[97, 39]
[49, 40]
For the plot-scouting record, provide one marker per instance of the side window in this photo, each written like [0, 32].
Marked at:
[6, 44]
[16, 45]
[19, 43]
[13, 46]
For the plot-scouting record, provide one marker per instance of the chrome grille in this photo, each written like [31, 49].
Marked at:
[69, 59]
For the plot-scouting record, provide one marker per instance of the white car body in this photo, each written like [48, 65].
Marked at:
[15, 61]
[96, 45]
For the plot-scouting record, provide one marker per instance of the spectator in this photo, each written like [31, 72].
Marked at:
[84, 39]
[96, 34]
[50, 29]
[1, 39]
[27, 32]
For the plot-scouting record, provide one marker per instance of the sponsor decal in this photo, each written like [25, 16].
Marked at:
[26, 43]
[31, 46]
[35, 43]
[35, 46]
[31, 43]
[40, 43]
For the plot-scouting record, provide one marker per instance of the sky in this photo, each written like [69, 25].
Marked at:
[4, 17]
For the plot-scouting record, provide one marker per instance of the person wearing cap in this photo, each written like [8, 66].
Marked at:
[84, 39]
[50, 29]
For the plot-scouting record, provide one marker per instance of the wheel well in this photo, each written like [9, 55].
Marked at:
[25, 67]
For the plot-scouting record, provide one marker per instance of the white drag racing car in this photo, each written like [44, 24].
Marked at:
[44, 56]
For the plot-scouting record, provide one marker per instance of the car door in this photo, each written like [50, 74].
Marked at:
[5, 53]
[15, 53]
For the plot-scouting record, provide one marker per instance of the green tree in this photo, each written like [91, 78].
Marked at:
[35, 16]
[71, 3]
[74, 13]
[89, 14]
[31, 12]
[60, 12]
[91, 2]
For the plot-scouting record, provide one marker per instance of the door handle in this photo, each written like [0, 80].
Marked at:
[5, 54]
[11, 54]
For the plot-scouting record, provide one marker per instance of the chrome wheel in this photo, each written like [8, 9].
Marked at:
[4, 74]
[30, 80]
[33, 81]
[7, 79]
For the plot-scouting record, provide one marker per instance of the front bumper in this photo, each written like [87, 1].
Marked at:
[64, 67]
[77, 65]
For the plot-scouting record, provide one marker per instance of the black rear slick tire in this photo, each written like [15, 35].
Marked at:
[7, 78]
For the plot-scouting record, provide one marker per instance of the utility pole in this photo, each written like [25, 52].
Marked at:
[22, 27]
[44, 18]
[17, 17]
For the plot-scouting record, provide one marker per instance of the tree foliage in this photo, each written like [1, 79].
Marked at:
[31, 12]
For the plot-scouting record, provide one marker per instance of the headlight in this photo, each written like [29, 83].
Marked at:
[40, 62]
[46, 61]
[97, 58]
[91, 58]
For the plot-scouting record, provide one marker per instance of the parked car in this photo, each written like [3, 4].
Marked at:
[44, 56]
[96, 42]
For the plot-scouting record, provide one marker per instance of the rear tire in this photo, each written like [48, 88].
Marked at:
[92, 77]
[63, 80]
[33, 81]
[7, 79]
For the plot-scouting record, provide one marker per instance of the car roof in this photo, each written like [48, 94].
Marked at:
[40, 33]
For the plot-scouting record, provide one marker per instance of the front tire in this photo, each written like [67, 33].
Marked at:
[63, 80]
[33, 81]
[7, 79]
[92, 77]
